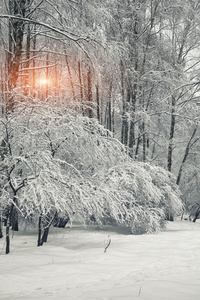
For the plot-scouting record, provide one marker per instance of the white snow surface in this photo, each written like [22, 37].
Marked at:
[73, 265]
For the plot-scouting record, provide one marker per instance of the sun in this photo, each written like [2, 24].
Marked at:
[43, 81]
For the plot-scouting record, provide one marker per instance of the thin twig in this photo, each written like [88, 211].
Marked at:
[108, 243]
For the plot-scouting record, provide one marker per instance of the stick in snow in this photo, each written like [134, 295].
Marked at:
[108, 243]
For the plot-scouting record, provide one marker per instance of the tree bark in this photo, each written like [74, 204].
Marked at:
[98, 103]
[70, 75]
[34, 48]
[39, 230]
[124, 128]
[197, 213]
[89, 94]
[172, 129]
[80, 81]
[189, 145]
[1, 231]
[28, 48]
[16, 32]
[109, 109]
[47, 76]
[45, 235]
[8, 224]
[14, 221]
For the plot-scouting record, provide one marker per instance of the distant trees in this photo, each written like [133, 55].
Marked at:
[158, 80]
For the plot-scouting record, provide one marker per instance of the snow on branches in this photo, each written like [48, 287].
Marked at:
[55, 160]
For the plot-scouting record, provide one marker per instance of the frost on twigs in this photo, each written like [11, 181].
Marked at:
[139, 196]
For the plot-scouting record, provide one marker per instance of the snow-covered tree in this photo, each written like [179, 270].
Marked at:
[55, 160]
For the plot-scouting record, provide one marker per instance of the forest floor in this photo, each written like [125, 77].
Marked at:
[73, 265]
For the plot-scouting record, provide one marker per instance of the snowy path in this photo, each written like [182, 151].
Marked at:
[73, 265]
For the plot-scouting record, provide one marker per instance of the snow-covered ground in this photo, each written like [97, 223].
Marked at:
[73, 265]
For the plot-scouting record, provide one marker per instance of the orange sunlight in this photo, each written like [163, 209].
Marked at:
[43, 82]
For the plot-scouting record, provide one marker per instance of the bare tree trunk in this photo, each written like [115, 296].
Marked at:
[143, 143]
[28, 48]
[137, 147]
[134, 89]
[171, 144]
[1, 231]
[8, 224]
[189, 145]
[70, 75]
[109, 109]
[8, 237]
[80, 81]
[47, 76]
[89, 94]
[34, 48]
[10, 46]
[113, 118]
[16, 32]
[197, 213]
[14, 221]
[39, 231]
[46, 230]
[45, 235]
[124, 128]
[172, 129]
[98, 103]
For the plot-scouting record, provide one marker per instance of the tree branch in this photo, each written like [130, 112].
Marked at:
[57, 30]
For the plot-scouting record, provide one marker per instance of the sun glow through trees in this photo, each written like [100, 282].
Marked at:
[43, 82]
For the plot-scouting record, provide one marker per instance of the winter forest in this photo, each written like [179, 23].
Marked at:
[99, 149]
[100, 110]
